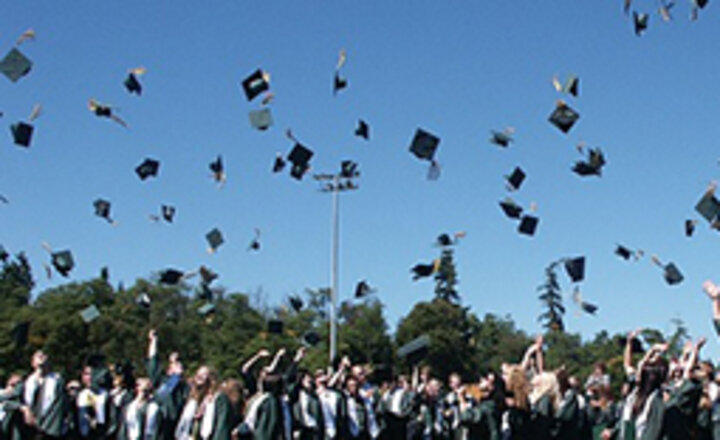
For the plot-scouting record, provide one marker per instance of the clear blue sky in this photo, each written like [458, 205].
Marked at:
[457, 69]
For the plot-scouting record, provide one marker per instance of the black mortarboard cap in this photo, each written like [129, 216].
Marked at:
[3, 254]
[214, 238]
[422, 270]
[279, 164]
[689, 227]
[300, 157]
[63, 262]
[564, 117]
[217, 166]
[19, 334]
[500, 138]
[311, 339]
[415, 350]
[22, 133]
[132, 84]
[572, 86]
[90, 314]
[708, 207]
[516, 178]
[363, 130]
[168, 213]
[255, 84]
[348, 169]
[575, 268]
[640, 20]
[143, 300]
[171, 276]
[296, 303]
[593, 166]
[511, 209]
[102, 209]
[339, 83]
[636, 346]
[589, 308]
[261, 119]
[363, 289]
[275, 326]
[444, 240]
[15, 65]
[623, 252]
[528, 225]
[701, 3]
[672, 274]
[424, 144]
[148, 168]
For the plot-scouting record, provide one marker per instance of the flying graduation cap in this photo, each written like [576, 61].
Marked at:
[218, 170]
[339, 83]
[571, 86]
[575, 268]
[625, 253]
[502, 138]
[148, 168]
[278, 164]
[563, 117]
[22, 133]
[511, 208]
[296, 303]
[15, 65]
[255, 243]
[640, 20]
[593, 166]
[215, 240]
[363, 130]
[363, 289]
[261, 119]
[671, 273]
[132, 83]
[90, 314]
[299, 157]
[690, 227]
[422, 270]
[423, 146]
[515, 179]
[310, 339]
[105, 111]
[697, 5]
[62, 261]
[528, 224]
[102, 210]
[709, 206]
[255, 84]
[583, 305]
[171, 276]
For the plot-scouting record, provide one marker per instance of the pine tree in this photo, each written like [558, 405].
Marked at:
[551, 297]
[446, 277]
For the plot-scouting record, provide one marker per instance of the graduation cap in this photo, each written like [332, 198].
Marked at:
[311, 339]
[511, 209]
[640, 21]
[697, 5]
[575, 268]
[296, 303]
[102, 209]
[424, 145]
[588, 308]
[528, 224]
[636, 346]
[255, 84]
[206, 310]
[421, 270]
[275, 327]
[593, 166]
[255, 243]
[171, 276]
[623, 252]
[22, 133]
[105, 111]
[299, 157]
[218, 169]
[215, 239]
[690, 227]
[709, 206]
[501, 138]
[415, 350]
[279, 164]
[19, 333]
[515, 179]
[63, 262]
[207, 276]
[363, 130]
[4, 255]
[261, 119]
[444, 240]
[572, 85]
[563, 117]
[15, 65]
[348, 169]
[89, 314]
[148, 168]
[132, 84]
[168, 213]
[363, 289]
[143, 300]
[671, 272]
[339, 83]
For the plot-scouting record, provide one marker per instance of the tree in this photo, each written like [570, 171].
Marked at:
[551, 297]
[446, 277]
[364, 333]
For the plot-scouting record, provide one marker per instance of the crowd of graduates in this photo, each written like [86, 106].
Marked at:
[274, 398]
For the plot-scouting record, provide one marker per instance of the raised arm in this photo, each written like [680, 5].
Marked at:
[263, 353]
[627, 355]
[713, 292]
[692, 360]
[153, 365]
[272, 368]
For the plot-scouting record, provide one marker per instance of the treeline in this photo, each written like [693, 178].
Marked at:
[237, 328]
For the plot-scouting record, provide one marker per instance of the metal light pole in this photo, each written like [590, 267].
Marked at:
[338, 182]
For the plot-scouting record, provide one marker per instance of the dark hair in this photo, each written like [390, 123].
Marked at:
[273, 384]
[652, 377]
[498, 393]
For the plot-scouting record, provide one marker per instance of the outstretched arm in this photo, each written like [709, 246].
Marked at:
[263, 353]
[713, 291]
[692, 361]
[627, 355]
[276, 360]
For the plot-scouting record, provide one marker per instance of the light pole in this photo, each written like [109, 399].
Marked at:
[336, 183]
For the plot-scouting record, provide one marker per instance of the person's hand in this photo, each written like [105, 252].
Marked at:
[539, 341]
[345, 362]
[711, 289]
[280, 353]
[700, 343]
[152, 335]
[263, 353]
[606, 434]
[28, 416]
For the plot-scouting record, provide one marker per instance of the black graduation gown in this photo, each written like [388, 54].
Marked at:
[543, 419]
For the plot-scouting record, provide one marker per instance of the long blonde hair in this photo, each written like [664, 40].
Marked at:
[545, 384]
[516, 383]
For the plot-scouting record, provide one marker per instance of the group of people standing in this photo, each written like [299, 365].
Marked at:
[660, 399]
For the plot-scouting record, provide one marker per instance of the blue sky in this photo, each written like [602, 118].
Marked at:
[455, 69]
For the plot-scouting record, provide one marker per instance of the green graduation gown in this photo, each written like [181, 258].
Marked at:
[681, 410]
[170, 394]
[482, 421]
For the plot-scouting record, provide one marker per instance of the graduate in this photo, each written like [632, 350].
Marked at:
[308, 414]
[266, 416]
[398, 404]
[120, 396]
[515, 423]
[332, 406]
[141, 416]
[360, 419]
[484, 419]
[93, 403]
[451, 403]
[431, 411]
[43, 396]
[544, 400]
[11, 414]
[170, 390]
[569, 418]
[207, 413]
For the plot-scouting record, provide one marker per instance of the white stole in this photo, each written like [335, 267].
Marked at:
[49, 384]
[641, 422]
[328, 403]
[308, 419]
[252, 412]
[184, 427]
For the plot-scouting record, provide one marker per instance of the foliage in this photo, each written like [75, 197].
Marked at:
[446, 277]
[551, 297]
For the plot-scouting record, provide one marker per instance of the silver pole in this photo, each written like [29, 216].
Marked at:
[334, 269]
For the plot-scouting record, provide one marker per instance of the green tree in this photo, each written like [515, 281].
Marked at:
[446, 277]
[551, 297]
